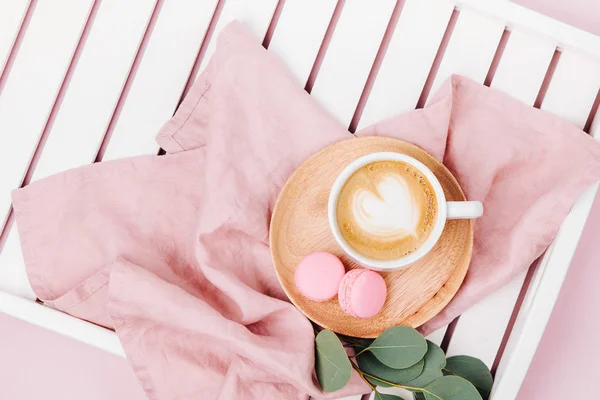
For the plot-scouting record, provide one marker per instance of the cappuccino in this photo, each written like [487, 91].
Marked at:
[386, 210]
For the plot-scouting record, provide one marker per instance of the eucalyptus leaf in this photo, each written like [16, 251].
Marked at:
[451, 388]
[371, 365]
[419, 396]
[399, 347]
[331, 362]
[473, 370]
[435, 360]
[383, 396]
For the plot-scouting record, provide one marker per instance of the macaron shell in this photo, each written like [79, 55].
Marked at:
[318, 276]
[345, 289]
[362, 293]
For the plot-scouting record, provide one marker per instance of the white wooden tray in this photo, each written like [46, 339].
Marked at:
[89, 80]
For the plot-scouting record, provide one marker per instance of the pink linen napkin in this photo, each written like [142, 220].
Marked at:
[172, 252]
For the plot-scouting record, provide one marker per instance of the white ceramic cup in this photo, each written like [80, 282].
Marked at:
[446, 210]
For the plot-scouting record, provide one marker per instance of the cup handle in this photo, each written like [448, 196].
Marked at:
[464, 209]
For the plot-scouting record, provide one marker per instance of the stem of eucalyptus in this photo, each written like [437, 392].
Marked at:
[360, 352]
[365, 375]
[391, 383]
[351, 341]
[361, 374]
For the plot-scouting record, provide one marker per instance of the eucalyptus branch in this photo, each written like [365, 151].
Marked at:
[351, 340]
[360, 352]
[362, 375]
[403, 355]
[365, 375]
[418, 389]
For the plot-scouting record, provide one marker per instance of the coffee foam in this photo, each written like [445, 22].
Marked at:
[390, 211]
[386, 210]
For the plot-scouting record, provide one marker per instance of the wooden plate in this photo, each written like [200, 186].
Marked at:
[299, 226]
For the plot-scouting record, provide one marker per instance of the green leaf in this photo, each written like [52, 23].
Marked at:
[371, 365]
[451, 388]
[419, 396]
[399, 347]
[473, 370]
[331, 362]
[383, 396]
[435, 360]
[362, 344]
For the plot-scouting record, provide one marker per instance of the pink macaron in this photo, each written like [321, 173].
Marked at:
[318, 276]
[362, 293]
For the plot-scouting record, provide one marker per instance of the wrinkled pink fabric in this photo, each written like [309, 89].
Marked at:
[172, 252]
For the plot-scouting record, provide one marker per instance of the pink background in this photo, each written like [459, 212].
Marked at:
[584, 14]
[37, 364]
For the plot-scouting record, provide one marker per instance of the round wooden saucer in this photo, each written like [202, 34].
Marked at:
[299, 226]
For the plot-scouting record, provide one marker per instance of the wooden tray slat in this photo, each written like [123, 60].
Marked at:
[408, 59]
[86, 109]
[523, 66]
[480, 329]
[26, 102]
[255, 16]
[11, 16]
[471, 48]
[33, 84]
[161, 77]
[350, 56]
[296, 41]
[573, 88]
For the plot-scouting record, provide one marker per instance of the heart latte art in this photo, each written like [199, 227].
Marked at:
[386, 210]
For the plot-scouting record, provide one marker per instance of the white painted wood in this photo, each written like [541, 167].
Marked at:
[437, 336]
[168, 60]
[61, 323]
[554, 265]
[403, 393]
[85, 111]
[299, 34]
[514, 15]
[480, 329]
[408, 59]
[471, 48]
[350, 56]
[574, 87]
[33, 84]
[523, 65]
[12, 13]
[13, 276]
[95, 86]
[595, 127]
[161, 76]
[570, 95]
[256, 17]
[470, 52]
[539, 301]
